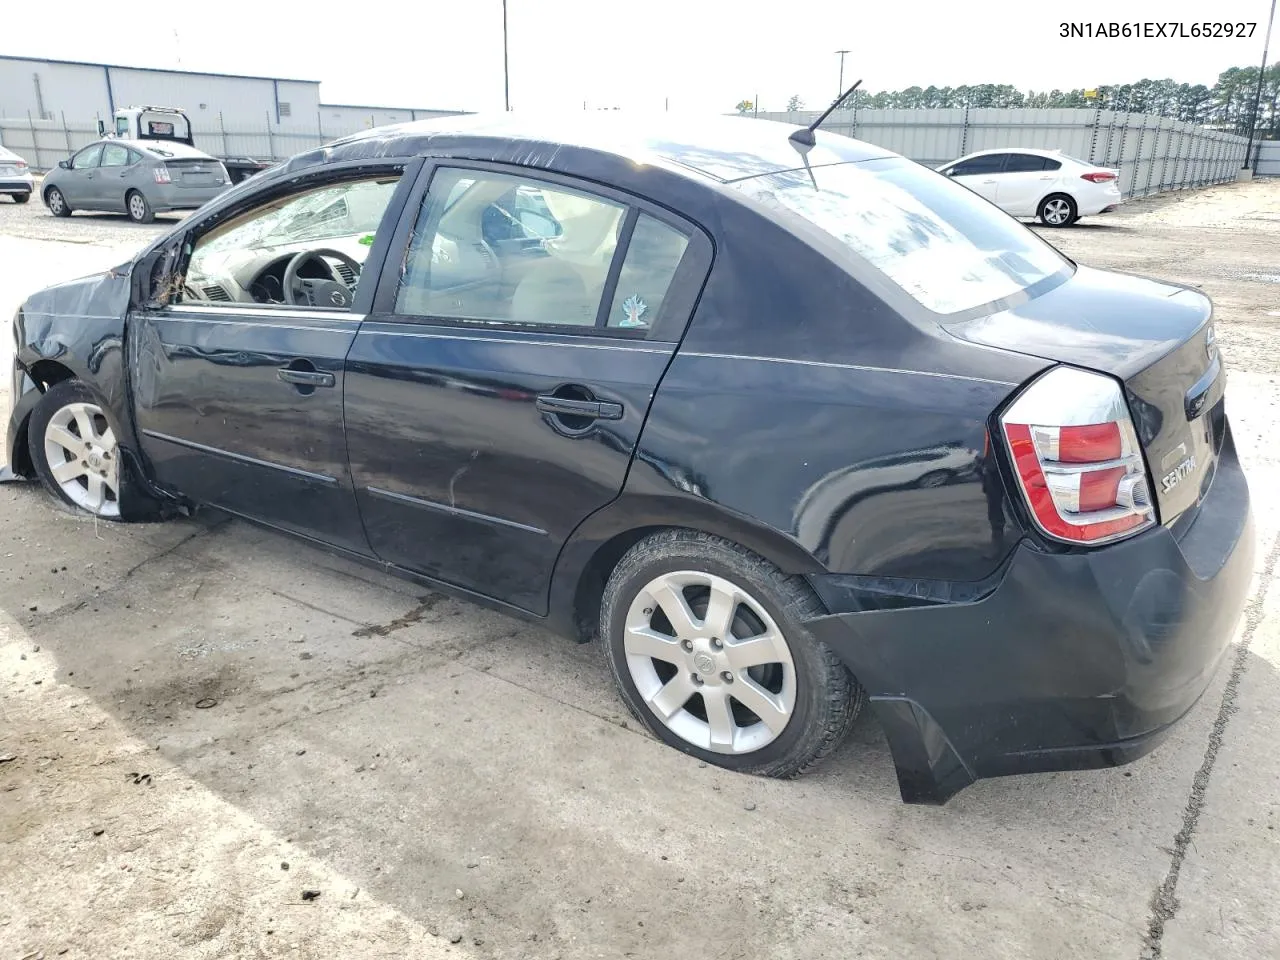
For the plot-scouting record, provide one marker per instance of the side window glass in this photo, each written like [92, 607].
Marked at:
[1024, 163]
[991, 163]
[114, 155]
[87, 157]
[1052, 164]
[495, 248]
[653, 255]
[122, 126]
[306, 249]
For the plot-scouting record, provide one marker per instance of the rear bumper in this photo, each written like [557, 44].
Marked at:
[1106, 203]
[1071, 661]
[170, 197]
[16, 186]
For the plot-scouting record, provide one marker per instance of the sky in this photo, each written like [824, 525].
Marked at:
[683, 55]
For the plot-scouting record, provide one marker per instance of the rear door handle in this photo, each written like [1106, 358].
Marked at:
[310, 378]
[594, 409]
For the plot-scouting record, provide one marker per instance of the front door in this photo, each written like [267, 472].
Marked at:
[81, 187]
[238, 385]
[495, 397]
[980, 174]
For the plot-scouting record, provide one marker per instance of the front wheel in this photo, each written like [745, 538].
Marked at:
[708, 647]
[139, 209]
[1057, 210]
[57, 203]
[75, 450]
[21, 197]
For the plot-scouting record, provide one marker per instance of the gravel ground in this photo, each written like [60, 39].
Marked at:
[201, 721]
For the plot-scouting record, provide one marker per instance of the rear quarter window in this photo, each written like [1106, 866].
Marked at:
[947, 248]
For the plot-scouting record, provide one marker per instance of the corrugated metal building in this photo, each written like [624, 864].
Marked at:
[84, 92]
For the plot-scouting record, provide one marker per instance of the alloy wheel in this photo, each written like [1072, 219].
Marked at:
[1057, 211]
[83, 458]
[55, 201]
[709, 662]
[137, 206]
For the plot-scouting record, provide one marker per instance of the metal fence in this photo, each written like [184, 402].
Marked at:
[1267, 161]
[42, 143]
[1152, 153]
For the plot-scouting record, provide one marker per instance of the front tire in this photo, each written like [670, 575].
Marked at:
[1057, 210]
[57, 203]
[21, 197]
[75, 450]
[707, 644]
[138, 208]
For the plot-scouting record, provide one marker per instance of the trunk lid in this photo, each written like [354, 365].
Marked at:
[193, 172]
[1156, 337]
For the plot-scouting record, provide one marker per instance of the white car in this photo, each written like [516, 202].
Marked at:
[1047, 184]
[15, 176]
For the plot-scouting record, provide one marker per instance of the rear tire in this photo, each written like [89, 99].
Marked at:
[138, 208]
[763, 695]
[57, 203]
[1057, 210]
[21, 197]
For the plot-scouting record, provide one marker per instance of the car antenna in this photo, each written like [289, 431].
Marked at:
[804, 140]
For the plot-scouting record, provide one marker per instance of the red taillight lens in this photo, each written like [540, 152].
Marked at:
[161, 173]
[1077, 458]
[21, 164]
[1100, 176]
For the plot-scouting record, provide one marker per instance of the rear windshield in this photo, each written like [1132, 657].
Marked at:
[942, 244]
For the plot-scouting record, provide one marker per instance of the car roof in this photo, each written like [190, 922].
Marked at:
[723, 148]
[1034, 151]
[153, 147]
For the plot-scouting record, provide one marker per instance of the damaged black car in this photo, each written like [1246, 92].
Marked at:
[789, 424]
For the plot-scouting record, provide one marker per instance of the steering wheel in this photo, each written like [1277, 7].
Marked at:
[331, 294]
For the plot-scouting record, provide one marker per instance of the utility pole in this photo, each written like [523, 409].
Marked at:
[1257, 94]
[841, 53]
[506, 77]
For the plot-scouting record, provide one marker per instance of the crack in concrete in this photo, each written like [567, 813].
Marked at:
[1164, 902]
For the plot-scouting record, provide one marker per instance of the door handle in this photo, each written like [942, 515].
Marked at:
[308, 378]
[593, 409]
[988, 181]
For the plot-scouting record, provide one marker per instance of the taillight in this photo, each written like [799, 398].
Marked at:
[21, 164]
[1077, 458]
[161, 173]
[1098, 176]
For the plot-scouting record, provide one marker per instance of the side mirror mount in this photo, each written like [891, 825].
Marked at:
[65, 164]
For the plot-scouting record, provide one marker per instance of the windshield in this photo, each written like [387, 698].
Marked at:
[341, 210]
[941, 243]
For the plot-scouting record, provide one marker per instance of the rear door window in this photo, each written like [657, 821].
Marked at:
[943, 245]
[114, 155]
[1024, 163]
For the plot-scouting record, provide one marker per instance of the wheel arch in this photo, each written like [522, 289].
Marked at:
[602, 539]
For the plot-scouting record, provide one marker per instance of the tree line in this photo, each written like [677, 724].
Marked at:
[1225, 106]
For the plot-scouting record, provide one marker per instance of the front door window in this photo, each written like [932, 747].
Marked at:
[305, 250]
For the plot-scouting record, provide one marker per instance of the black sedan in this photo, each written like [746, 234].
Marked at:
[788, 424]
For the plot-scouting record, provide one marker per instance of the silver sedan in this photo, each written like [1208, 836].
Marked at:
[137, 177]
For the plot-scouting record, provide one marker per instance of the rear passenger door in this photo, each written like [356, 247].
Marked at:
[1025, 180]
[495, 395]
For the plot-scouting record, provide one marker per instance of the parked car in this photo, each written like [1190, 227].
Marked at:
[1047, 184]
[15, 177]
[625, 420]
[139, 178]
